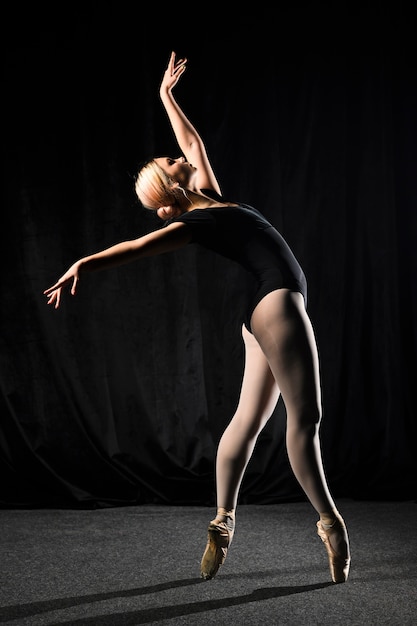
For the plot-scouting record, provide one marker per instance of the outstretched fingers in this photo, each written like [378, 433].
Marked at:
[54, 293]
[55, 298]
[175, 68]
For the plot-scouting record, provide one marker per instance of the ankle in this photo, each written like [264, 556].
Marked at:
[227, 517]
[330, 519]
[223, 513]
[327, 519]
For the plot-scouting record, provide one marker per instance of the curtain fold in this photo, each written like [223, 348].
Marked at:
[120, 397]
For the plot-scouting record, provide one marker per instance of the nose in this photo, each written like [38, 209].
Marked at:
[182, 159]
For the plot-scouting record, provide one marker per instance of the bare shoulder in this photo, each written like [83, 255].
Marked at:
[177, 231]
[172, 237]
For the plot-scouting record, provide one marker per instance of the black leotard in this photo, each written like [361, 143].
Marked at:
[242, 233]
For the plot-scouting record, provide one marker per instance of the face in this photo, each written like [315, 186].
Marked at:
[178, 169]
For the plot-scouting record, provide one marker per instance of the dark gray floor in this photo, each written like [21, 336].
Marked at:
[140, 565]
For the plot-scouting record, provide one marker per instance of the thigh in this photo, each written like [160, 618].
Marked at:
[283, 330]
[259, 392]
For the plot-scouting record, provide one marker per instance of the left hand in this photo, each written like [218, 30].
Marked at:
[173, 72]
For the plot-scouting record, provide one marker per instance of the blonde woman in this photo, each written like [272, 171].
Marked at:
[280, 348]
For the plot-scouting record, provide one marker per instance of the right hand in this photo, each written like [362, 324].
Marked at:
[54, 293]
[173, 72]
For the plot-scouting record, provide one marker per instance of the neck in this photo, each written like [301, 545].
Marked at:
[198, 200]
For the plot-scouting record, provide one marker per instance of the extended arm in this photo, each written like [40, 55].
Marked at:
[165, 240]
[188, 139]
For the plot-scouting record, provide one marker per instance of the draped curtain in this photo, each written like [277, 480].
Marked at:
[120, 396]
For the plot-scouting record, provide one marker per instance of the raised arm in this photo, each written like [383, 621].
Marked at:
[188, 139]
[166, 239]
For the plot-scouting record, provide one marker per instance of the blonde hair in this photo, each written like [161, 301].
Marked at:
[154, 187]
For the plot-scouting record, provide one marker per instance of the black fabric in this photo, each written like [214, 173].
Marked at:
[242, 234]
[121, 395]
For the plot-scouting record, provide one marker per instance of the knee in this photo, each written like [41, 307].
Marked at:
[246, 427]
[306, 419]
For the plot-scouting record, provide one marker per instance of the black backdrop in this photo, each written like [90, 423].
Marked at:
[309, 114]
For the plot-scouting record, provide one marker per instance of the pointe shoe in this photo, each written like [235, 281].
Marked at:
[339, 563]
[220, 535]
